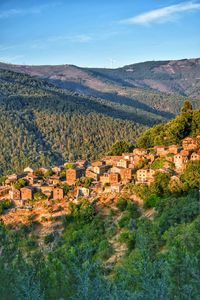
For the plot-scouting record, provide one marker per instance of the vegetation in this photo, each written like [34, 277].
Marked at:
[120, 147]
[187, 123]
[39, 196]
[33, 132]
[162, 260]
[84, 181]
[191, 176]
[20, 183]
[4, 204]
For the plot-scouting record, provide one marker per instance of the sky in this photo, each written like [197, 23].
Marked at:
[98, 33]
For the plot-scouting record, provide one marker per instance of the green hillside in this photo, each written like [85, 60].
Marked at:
[42, 124]
[187, 123]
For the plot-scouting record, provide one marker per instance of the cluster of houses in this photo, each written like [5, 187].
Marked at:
[109, 174]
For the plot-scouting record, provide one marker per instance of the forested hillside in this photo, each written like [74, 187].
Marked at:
[187, 123]
[42, 124]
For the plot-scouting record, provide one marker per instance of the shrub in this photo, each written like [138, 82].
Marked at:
[121, 204]
[151, 201]
[124, 221]
[4, 204]
[49, 238]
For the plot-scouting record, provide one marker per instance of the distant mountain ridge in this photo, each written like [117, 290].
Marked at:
[154, 75]
[151, 83]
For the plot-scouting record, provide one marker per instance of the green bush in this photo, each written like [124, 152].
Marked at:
[49, 238]
[4, 204]
[121, 204]
[151, 201]
[124, 221]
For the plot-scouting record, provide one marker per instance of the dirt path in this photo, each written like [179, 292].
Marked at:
[119, 248]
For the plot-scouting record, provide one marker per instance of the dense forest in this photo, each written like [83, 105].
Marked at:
[41, 124]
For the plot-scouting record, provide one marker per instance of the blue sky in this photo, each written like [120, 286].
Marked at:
[101, 33]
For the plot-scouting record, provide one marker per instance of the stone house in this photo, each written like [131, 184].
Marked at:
[128, 156]
[190, 143]
[173, 149]
[104, 179]
[114, 178]
[123, 163]
[54, 179]
[112, 160]
[28, 170]
[161, 151]
[4, 190]
[57, 169]
[116, 188]
[180, 160]
[89, 173]
[140, 151]
[116, 170]
[58, 193]
[83, 192]
[126, 175]
[43, 170]
[15, 194]
[98, 163]
[11, 179]
[145, 176]
[110, 178]
[100, 169]
[32, 179]
[26, 193]
[47, 190]
[73, 174]
[82, 163]
[195, 155]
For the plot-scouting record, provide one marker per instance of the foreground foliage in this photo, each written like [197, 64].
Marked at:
[162, 261]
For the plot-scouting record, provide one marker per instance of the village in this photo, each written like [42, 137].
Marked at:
[107, 175]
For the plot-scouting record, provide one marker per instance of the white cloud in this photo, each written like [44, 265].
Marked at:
[26, 11]
[164, 14]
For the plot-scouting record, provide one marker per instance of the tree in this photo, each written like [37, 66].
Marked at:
[160, 185]
[187, 107]
[191, 175]
[2, 179]
[39, 196]
[120, 147]
[20, 183]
